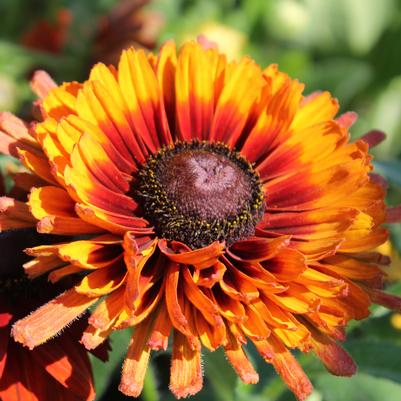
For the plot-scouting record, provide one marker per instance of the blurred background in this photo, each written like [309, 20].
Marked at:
[350, 47]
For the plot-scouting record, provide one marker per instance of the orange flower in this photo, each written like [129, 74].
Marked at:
[214, 205]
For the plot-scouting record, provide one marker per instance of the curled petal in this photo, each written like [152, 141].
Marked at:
[373, 138]
[102, 281]
[161, 330]
[199, 258]
[336, 360]
[257, 248]
[174, 303]
[42, 83]
[393, 215]
[347, 119]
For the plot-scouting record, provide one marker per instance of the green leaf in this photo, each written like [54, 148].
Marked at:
[365, 21]
[379, 359]
[361, 387]
[220, 375]
[149, 392]
[390, 169]
[103, 372]
[386, 115]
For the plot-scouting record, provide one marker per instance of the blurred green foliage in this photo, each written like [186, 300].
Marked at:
[349, 47]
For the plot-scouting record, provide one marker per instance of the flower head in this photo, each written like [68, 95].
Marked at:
[207, 203]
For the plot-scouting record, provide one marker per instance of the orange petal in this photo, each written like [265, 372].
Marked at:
[258, 248]
[108, 309]
[165, 71]
[136, 257]
[42, 83]
[373, 138]
[14, 214]
[243, 84]
[62, 272]
[240, 362]
[61, 101]
[14, 135]
[200, 258]
[96, 253]
[199, 299]
[41, 265]
[336, 360]
[102, 281]
[136, 362]
[194, 91]
[26, 181]
[315, 109]
[290, 370]
[186, 370]
[115, 223]
[174, 299]
[347, 119]
[211, 336]
[92, 337]
[106, 77]
[388, 300]
[55, 210]
[51, 318]
[161, 330]
[38, 165]
[142, 96]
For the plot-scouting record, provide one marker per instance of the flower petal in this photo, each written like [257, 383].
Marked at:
[50, 318]
[186, 370]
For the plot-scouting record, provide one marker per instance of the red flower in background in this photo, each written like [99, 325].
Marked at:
[60, 369]
[49, 36]
[57, 371]
[127, 24]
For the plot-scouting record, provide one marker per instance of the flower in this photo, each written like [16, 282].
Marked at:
[206, 202]
[59, 369]
[126, 24]
[49, 36]
[393, 272]
[230, 41]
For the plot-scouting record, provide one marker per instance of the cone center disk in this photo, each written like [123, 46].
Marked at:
[199, 192]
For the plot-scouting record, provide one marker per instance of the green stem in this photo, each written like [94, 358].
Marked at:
[149, 392]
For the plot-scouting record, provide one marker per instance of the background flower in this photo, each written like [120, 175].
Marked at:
[58, 370]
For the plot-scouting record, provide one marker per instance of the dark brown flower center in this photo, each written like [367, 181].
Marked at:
[200, 192]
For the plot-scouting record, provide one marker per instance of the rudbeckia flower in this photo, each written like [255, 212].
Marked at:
[58, 370]
[208, 204]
